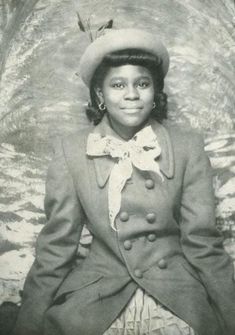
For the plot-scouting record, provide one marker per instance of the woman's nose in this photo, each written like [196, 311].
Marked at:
[131, 93]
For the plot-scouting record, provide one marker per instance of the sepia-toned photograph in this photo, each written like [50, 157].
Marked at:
[117, 167]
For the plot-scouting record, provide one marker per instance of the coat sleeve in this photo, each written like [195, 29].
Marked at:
[201, 242]
[55, 249]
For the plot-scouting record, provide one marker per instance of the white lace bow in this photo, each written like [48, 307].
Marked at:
[140, 151]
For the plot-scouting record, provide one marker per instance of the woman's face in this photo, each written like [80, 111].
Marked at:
[128, 93]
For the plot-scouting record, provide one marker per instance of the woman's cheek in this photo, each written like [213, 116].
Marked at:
[113, 99]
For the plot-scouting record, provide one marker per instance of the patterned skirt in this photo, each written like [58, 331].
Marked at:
[144, 316]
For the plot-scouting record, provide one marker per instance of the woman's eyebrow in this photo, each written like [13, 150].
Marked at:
[125, 78]
[118, 78]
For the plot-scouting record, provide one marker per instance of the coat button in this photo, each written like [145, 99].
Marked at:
[149, 184]
[151, 217]
[162, 264]
[127, 244]
[124, 216]
[138, 273]
[151, 237]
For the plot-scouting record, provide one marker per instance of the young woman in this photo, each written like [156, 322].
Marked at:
[144, 189]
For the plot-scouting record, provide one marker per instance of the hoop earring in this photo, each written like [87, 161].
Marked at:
[102, 106]
[154, 105]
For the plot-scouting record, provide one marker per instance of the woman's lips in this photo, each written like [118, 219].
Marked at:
[131, 110]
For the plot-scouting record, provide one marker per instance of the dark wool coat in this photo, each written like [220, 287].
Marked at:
[166, 242]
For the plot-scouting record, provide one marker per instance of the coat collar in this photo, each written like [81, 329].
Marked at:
[104, 164]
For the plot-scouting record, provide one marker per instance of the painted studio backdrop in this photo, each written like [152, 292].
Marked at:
[42, 97]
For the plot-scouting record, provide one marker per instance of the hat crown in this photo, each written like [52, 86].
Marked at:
[117, 40]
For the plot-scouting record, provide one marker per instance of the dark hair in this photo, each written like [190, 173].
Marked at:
[133, 57]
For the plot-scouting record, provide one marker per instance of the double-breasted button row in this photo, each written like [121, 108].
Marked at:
[128, 244]
[162, 264]
[150, 217]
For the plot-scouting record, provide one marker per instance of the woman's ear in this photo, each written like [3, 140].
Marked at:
[99, 94]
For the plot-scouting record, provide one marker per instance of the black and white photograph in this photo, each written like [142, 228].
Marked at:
[117, 167]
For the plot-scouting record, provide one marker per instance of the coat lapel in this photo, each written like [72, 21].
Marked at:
[103, 168]
[104, 164]
[166, 159]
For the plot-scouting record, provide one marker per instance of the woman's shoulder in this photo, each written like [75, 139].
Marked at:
[71, 143]
[183, 135]
[186, 143]
[77, 137]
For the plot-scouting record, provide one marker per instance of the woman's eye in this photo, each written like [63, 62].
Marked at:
[118, 85]
[143, 84]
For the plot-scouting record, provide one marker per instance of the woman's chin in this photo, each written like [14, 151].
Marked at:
[133, 124]
[132, 111]
[133, 120]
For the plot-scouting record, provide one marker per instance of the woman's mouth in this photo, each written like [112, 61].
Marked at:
[131, 108]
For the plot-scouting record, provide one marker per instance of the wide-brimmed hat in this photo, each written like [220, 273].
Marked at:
[117, 40]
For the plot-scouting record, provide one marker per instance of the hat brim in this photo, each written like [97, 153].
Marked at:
[116, 40]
